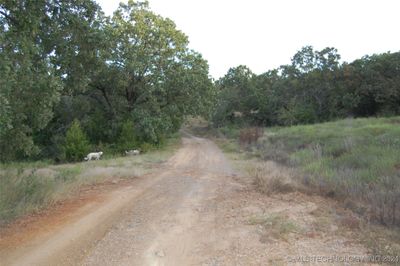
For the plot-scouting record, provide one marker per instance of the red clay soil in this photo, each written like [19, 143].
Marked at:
[54, 216]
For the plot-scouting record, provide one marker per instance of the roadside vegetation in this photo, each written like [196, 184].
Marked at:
[276, 225]
[75, 81]
[355, 161]
[285, 115]
[30, 187]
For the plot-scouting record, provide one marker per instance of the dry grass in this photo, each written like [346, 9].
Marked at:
[277, 226]
[250, 135]
[355, 161]
[344, 219]
[27, 188]
[379, 240]
[271, 178]
[329, 216]
[382, 241]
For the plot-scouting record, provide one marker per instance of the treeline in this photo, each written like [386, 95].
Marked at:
[118, 82]
[315, 87]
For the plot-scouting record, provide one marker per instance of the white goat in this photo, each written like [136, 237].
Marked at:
[93, 156]
[132, 152]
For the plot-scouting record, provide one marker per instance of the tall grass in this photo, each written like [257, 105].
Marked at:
[353, 160]
[357, 160]
[30, 187]
[27, 190]
[249, 136]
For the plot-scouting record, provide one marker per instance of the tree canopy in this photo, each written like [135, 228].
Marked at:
[65, 60]
[315, 87]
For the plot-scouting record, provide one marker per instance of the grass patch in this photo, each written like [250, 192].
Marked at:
[351, 159]
[25, 165]
[356, 161]
[29, 187]
[377, 239]
[227, 145]
[270, 178]
[276, 225]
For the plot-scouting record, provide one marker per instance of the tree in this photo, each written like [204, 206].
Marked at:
[30, 88]
[128, 139]
[375, 81]
[312, 79]
[270, 96]
[64, 60]
[76, 144]
[307, 60]
[157, 80]
[236, 94]
[45, 49]
[315, 87]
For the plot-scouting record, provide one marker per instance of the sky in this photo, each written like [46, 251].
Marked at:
[265, 34]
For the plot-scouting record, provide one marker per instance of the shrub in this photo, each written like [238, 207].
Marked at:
[351, 160]
[76, 144]
[296, 113]
[20, 194]
[277, 226]
[128, 139]
[249, 136]
[145, 147]
[270, 178]
[228, 132]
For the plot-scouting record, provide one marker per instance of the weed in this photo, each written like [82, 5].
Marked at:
[276, 225]
[249, 136]
[270, 178]
[352, 159]
[29, 187]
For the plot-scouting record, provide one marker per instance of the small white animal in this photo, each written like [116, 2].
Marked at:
[237, 114]
[93, 156]
[132, 152]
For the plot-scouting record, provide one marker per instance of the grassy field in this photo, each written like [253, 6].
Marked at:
[29, 187]
[353, 160]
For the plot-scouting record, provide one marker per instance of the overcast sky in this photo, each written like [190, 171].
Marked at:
[265, 34]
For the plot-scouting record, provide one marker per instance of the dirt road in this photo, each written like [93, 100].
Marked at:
[192, 211]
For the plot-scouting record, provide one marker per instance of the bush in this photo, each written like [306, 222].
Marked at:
[20, 194]
[297, 113]
[128, 139]
[228, 132]
[250, 135]
[270, 178]
[145, 147]
[76, 144]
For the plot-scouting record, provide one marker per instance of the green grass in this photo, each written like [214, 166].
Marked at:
[30, 187]
[362, 149]
[33, 164]
[277, 225]
[354, 160]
